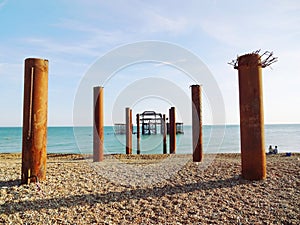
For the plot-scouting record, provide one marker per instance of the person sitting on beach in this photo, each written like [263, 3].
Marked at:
[271, 151]
[275, 151]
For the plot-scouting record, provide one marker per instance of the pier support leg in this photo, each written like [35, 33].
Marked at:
[251, 117]
[172, 130]
[128, 114]
[164, 129]
[34, 140]
[98, 132]
[197, 123]
[138, 135]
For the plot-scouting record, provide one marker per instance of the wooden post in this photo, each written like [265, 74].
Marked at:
[164, 134]
[98, 143]
[128, 113]
[251, 117]
[197, 123]
[138, 135]
[34, 140]
[172, 130]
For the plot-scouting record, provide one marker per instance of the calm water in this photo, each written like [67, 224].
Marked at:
[215, 139]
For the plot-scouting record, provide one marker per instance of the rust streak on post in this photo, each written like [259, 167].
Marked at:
[98, 143]
[164, 134]
[138, 135]
[34, 137]
[128, 113]
[251, 117]
[197, 123]
[172, 132]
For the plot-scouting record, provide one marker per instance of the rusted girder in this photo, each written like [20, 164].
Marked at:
[98, 134]
[172, 130]
[197, 123]
[251, 117]
[128, 114]
[138, 135]
[164, 134]
[34, 141]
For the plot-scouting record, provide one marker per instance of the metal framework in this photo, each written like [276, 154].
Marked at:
[151, 123]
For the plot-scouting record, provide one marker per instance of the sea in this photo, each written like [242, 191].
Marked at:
[216, 139]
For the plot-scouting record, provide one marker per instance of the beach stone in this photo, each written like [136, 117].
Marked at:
[176, 191]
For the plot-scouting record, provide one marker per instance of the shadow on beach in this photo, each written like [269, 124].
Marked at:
[10, 183]
[106, 198]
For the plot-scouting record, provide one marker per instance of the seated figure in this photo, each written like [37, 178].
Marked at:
[271, 151]
[275, 151]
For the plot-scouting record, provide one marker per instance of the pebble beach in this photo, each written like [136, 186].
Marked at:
[150, 189]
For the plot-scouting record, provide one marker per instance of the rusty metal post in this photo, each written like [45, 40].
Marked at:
[251, 117]
[128, 114]
[138, 135]
[164, 134]
[131, 130]
[172, 130]
[98, 134]
[197, 123]
[34, 140]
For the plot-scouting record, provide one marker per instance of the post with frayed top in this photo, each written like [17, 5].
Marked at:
[252, 113]
[251, 117]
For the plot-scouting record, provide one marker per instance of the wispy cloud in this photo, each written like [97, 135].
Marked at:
[278, 21]
[155, 22]
[137, 17]
[170, 63]
[84, 48]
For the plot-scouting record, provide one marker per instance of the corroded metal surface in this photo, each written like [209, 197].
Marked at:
[138, 135]
[98, 134]
[197, 123]
[172, 130]
[128, 114]
[34, 140]
[164, 135]
[251, 117]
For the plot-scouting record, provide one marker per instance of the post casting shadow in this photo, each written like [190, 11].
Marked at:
[10, 183]
[91, 199]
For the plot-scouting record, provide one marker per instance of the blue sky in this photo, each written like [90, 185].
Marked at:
[73, 35]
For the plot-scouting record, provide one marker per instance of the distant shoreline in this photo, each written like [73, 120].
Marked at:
[132, 156]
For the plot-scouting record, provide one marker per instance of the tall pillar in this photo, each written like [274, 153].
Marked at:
[164, 129]
[128, 114]
[131, 129]
[197, 123]
[251, 117]
[172, 130]
[138, 135]
[34, 140]
[98, 135]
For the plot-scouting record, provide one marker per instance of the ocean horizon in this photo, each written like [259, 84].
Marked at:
[79, 140]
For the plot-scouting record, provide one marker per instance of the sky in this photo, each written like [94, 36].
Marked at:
[75, 35]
